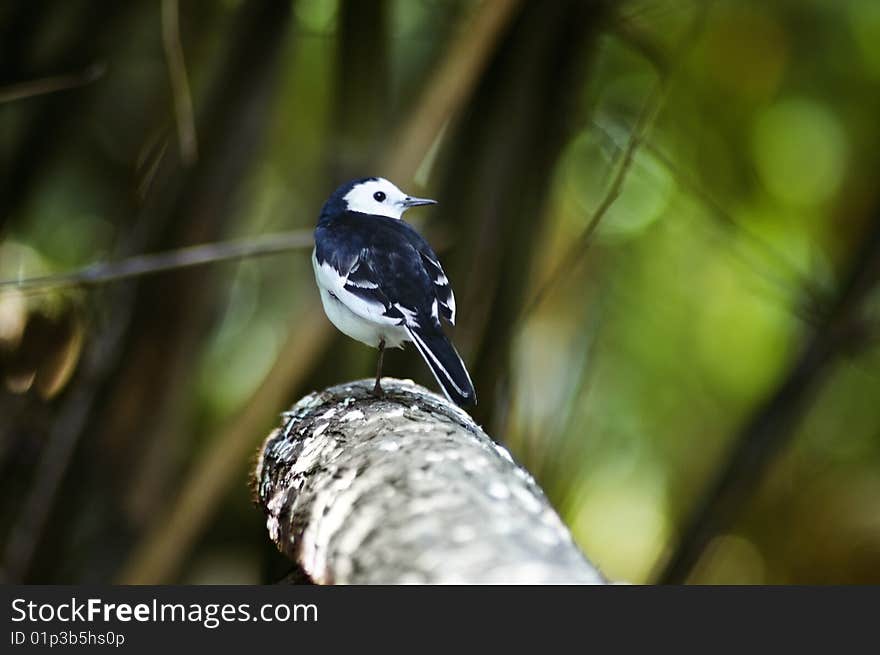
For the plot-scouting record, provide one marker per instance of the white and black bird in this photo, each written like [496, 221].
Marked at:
[381, 282]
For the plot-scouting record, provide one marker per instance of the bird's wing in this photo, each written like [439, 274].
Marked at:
[402, 284]
[364, 283]
[442, 288]
[390, 276]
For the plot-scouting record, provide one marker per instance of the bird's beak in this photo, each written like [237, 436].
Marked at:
[415, 202]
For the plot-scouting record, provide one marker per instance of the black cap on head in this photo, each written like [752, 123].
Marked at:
[336, 202]
[343, 189]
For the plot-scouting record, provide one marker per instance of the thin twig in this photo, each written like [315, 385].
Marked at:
[52, 84]
[647, 115]
[209, 253]
[183, 111]
[581, 245]
[814, 294]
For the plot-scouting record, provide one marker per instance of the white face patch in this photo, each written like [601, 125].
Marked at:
[377, 196]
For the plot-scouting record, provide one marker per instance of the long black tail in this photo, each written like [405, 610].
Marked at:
[444, 362]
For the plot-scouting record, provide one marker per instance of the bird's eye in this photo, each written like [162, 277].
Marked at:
[379, 196]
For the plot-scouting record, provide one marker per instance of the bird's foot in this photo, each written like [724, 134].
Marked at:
[378, 391]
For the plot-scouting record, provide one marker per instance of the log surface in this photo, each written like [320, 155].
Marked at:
[406, 489]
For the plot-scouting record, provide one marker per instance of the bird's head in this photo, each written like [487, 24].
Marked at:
[376, 195]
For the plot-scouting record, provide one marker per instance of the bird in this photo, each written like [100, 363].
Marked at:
[381, 282]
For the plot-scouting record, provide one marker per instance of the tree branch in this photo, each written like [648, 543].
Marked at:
[406, 489]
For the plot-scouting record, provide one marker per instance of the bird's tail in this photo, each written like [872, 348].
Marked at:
[444, 362]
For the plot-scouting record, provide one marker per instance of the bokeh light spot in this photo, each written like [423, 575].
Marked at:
[589, 167]
[730, 559]
[743, 338]
[316, 15]
[622, 524]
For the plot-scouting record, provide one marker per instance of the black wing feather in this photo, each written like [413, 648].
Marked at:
[442, 288]
[361, 281]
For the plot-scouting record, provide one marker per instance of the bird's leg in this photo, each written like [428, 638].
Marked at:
[377, 389]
